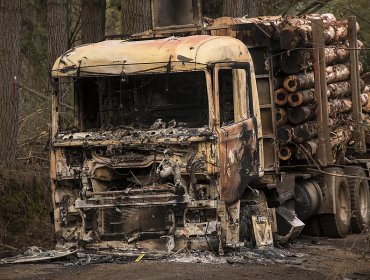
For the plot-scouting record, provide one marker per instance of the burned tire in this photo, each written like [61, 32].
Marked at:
[359, 194]
[338, 224]
[312, 227]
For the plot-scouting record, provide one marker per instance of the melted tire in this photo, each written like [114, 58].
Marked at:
[331, 227]
[359, 194]
[312, 227]
[337, 225]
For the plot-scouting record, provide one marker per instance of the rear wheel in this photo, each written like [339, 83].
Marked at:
[359, 193]
[337, 224]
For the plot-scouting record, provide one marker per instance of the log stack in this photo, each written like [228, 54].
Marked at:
[290, 40]
[296, 97]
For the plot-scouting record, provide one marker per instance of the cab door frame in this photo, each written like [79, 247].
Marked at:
[238, 141]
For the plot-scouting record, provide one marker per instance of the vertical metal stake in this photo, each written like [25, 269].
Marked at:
[317, 28]
[359, 135]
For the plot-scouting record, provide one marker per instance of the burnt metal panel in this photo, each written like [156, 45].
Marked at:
[263, 86]
[127, 220]
[267, 106]
[267, 125]
[238, 158]
[269, 152]
[259, 57]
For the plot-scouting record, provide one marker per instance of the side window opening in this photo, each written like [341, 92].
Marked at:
[226, 96]
[234, 95]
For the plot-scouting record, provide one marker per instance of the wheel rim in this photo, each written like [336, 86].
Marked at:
[363, 200]
[343, 206]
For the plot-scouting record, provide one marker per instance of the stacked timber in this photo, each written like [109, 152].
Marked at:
[292, 56]
[295, 97]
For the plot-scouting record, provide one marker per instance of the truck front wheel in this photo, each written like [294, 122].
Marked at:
[359, 192]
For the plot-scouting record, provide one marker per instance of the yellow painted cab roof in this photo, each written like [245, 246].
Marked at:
[115, 57]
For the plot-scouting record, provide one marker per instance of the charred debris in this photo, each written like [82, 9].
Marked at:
[236, 256]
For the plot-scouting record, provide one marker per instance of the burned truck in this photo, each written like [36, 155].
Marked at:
[166, 142]
[176, 143]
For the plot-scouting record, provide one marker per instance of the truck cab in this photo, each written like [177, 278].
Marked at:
[164, 147]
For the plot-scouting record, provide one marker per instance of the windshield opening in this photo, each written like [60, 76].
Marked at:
[143, 101]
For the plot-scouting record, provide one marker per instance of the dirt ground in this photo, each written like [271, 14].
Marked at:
[326, 259]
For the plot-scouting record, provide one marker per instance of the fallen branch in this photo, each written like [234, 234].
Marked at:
[42, 96]
[33, 157]
[8, 247]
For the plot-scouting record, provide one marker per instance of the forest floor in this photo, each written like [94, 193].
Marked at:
[325, 259]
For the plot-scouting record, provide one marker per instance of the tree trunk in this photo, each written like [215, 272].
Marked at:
[341, 89]
[252, 8]
[93, 20]
[136, 16]
[338, 106]
[366, 119]
[308, 130]
[296, 99]
[340, 136]
[304, 132]
[300, 81]
[10, 29]
[281, 116]
[307, 150]
[301, 114]
[57, 29]
[284, 133]
[366, 78]
[240, 8]
[298, 60]
[335, 91]
[335, 106]
[57, 18]
[297, 32]
[366, 107]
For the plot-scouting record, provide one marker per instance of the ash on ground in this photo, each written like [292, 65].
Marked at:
[80, 257]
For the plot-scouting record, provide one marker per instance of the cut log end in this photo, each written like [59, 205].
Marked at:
[281, 96]
[294, 61]
[285, 153]
[291, 83]
[301, 114]
[281, 116]
[284, 133]
[307, 150]
[295, 99]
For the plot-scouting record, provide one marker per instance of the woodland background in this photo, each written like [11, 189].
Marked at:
[33, 33]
